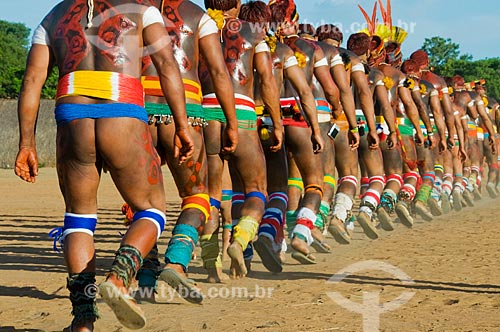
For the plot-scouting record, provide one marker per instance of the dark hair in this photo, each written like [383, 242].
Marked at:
[410, 66]
[421, 57]
[329, 31]
[255, 12]
[457, 81]
[283, 10]
[221, 4]
[307, 28]
[359, 43]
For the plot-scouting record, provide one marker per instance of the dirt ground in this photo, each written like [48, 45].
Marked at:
[453, 264]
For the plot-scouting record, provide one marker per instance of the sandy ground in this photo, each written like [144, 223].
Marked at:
[453, 263]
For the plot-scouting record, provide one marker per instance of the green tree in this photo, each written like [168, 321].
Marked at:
[14, 38]
[445, 57]
[440, 50]
[14, 41]
[488, 69]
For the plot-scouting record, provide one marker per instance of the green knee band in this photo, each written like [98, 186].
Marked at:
[423, 193]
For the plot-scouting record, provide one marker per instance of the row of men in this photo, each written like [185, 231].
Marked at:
[212, 80]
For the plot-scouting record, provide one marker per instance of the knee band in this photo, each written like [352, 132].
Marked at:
[439, 168]
[411, 175]
[283, 197]
[257, 194]
[238, 198]
[329, 180]
[227, 194]
[475, 169]
[316, 188]
[365, 182]
[429, 176]
[447, 176]
[378, 178]
[350, 179]
[199, 202]
[396, 178]
[296, 182]
[79, 223]
[156, 216]
[74, 223]
[215, 203]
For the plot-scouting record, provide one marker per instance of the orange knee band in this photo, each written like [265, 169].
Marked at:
[200, 202]
[314, 187]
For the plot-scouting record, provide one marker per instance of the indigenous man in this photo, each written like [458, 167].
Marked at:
[490, 135]
[285, 67]
[312, 61]
[244, 50]
[456, 151]
[427, 101]
[192, 33]
[404, 158]
[359, 43]
[373, 179]
[101, 120]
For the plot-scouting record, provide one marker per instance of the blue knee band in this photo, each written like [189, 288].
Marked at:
[74, 223]
[181, 245]
[258, 195]
[215, 203]
[153, 215]
[227, 194]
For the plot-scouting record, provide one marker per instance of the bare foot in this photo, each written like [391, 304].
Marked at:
[216, 276]
[301, 246]
[125, 307]
[238, 268]
[339, 231]
[282, 257]
[319, 243]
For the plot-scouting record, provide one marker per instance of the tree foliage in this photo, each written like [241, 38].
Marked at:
[14, 38]
[14, 41]
[440, 50]
[445, 57]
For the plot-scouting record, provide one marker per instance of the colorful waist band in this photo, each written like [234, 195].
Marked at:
[101, 84]
[288, 102]
[404, 121]
[242, 102]
[158, 109]
[322, 105]
[152, 87]
[67, 112]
